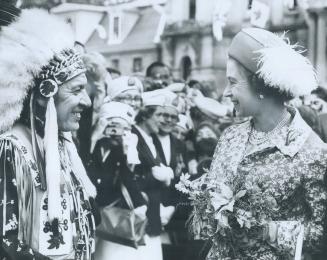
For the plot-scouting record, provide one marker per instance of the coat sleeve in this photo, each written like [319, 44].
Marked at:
[132, 187]
[314, 206]
[315, 199]
[11, 247]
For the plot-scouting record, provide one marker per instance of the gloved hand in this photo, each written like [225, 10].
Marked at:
[176, 87]
[193, 167]
[141, 211]
[163, 173]
[166, 214]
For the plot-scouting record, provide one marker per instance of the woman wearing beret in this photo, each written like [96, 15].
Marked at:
[275, 150]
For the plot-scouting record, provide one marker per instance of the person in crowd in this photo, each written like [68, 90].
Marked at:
[172, 153]
[152, 176]
[114, 73]
[159, 75]
[275, 150]
[170, 150]
[311, 117]
[125, 90]
[205, 141]
[45, 193]
[182, 127]
[112, 164]
[184, 131]
[97, 80]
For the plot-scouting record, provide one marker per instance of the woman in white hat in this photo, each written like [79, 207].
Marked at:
[126, 89]
[275, 151]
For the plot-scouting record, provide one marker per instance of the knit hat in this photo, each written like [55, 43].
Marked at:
[122, 84]
[117, 110]
[161, 97]
[280, 64]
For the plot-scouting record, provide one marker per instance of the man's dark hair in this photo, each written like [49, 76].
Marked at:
[321, 92]
[114, 71]
[144, 114]
[153, 65]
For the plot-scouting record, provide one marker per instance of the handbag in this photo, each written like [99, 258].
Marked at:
[121, 225]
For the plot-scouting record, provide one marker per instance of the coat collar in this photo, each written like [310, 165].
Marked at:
[289, 140]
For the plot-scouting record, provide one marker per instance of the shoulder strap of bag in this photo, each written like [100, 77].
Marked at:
[126, 196]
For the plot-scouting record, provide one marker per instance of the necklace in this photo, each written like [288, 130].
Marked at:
[258, 137]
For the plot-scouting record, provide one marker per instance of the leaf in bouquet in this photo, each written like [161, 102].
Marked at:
[240, 194]
[222, 220]
[271, 202]
[228, 207]
[185, 177]
[182, 188]
[240, 221]
[226, 191]
[218, 200]
[247, 224]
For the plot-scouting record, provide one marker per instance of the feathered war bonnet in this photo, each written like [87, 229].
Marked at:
[273, 59]
[36, 58]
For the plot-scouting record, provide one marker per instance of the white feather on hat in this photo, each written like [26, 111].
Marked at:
[293, 74]
[26, 46]
[280, 64]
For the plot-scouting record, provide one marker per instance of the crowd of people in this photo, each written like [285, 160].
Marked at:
[78, 139]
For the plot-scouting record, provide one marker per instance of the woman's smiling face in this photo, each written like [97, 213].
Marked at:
[245, 100]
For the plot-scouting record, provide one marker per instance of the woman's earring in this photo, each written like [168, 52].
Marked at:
[261, 96]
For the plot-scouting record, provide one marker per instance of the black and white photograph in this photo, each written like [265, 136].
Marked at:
[163, 129]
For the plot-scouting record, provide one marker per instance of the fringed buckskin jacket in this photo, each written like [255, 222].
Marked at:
[26, 232]
[291, 168]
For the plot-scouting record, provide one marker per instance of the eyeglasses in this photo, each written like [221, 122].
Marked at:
[129, 99]
[166, 116]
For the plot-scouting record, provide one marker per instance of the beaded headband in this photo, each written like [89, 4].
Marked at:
[63, 67]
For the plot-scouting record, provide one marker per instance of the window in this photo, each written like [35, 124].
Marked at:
[69, 20]
[192, 9]
[186, 67]
[250, 4]
[137, 64]
[292, 4]
[115, 64]
[114, 28]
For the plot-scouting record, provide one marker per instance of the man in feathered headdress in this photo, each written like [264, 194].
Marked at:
[45, 194]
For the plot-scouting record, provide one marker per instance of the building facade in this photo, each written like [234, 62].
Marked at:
[132, 34]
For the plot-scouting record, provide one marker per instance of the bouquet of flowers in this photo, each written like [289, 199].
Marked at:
[230, 214]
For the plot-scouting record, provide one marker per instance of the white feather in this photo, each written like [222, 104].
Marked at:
[26, 46]
[285, 68]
